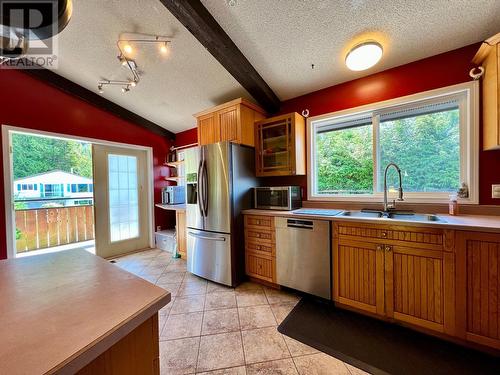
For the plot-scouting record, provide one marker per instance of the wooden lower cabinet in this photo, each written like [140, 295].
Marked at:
[260, 248]
[358, 269]
[478, 287]
[180, 232]
[400, 273]
[136, 353]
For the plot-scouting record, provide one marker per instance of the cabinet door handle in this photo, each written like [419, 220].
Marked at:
[388, 248]
[379, 247]
[257, 235]
[384, 234]
[257, 222]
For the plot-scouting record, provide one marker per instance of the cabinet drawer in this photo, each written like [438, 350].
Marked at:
[259, 235]
[393, 234]
[253, 245]
[259, 221]
[260, 267]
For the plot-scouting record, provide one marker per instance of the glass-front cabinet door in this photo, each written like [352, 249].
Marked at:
[276, 145]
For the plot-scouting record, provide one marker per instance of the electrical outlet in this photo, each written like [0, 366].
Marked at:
[158, 228]
[495, 191]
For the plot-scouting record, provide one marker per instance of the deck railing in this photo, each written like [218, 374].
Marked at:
[41, 228]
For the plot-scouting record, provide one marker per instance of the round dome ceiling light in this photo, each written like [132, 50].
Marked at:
[364, 56]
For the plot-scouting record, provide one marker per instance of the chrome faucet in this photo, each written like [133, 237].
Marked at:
[389, 206]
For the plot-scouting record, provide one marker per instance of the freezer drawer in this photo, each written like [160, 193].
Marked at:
[209, 255]
[303, 255]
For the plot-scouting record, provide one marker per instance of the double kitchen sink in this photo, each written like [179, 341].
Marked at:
[394, 215]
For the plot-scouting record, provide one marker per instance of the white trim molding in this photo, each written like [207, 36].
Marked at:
[467, 96]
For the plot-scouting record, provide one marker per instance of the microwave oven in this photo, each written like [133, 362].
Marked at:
[173, 195]
[278, 198]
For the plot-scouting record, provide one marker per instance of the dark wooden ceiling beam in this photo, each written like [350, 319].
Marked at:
[198, 20]
[96, 100]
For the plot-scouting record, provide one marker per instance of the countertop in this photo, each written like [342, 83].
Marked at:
[173, 207]
[483, 223]
[60, 311]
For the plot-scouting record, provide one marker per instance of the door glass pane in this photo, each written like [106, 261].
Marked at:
[275, 146]
[123, 206]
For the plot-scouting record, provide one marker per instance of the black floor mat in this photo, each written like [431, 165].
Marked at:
[379, 347]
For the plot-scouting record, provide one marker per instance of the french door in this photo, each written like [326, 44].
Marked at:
[121, 189]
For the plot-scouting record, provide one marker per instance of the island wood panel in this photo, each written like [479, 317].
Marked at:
[359, 273]
[478, 287]
[416, 278]
[136, 353]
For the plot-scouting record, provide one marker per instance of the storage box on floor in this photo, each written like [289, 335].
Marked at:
[165, 239]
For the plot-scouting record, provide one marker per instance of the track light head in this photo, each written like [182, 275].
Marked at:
[125, 89]
[100, 89]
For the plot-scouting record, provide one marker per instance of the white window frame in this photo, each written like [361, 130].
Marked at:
[469, 144]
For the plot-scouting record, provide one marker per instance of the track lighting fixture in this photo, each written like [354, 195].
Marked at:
[125, 47]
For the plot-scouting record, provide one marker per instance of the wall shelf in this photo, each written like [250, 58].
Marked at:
[177, 178]
[174, 164]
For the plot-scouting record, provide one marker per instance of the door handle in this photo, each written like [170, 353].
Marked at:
[205, 187]
[199, 188]
[206, 237]
[388, 248]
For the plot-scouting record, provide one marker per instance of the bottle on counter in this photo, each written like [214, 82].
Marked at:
[453, 205]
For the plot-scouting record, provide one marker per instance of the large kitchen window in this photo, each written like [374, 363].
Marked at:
[430, 136]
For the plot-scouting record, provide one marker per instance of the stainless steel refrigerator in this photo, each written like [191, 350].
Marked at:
[219, 178]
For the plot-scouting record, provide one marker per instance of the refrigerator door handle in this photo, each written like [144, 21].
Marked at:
[205, 187]
[199, 189]
[206, 237]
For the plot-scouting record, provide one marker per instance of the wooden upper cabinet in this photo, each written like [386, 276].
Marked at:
[488, 56]
[280, 146]
[232, 121]
[478, 287]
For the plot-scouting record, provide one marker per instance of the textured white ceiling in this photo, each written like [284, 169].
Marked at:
[171, 89]
[282, 38]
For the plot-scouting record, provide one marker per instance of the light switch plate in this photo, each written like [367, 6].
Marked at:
[495, 191]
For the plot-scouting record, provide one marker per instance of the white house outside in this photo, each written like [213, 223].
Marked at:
[55, 188]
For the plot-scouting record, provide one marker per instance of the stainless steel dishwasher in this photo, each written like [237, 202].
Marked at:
[303, 255]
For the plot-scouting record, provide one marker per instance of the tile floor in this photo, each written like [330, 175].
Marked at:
[212, 329]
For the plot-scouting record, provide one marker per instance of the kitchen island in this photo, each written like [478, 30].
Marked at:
[73, 312]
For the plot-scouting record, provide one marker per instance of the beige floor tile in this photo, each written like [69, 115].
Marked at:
[355, 371]
[227, 371]
[192, 277]
[250, 297]
[280, 367]
[171, 277]
[275, 296]
[176, 267]
[297, 348]
[192, 288]
[188, 304]
[220, 321]
[320, 364]
[173, 288]
[256, 317]
[264, 344]
[182, 325]
[220, 300]
[217, 288]
[150, 278]
[179, 356]
[220, 351]
[281, 311]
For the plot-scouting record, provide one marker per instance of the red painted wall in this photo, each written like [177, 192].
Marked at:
[29, 103]
[186, 137]
[431, 73]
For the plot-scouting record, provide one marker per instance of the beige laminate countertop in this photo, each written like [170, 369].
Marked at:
[483, 223]
[60, 311]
